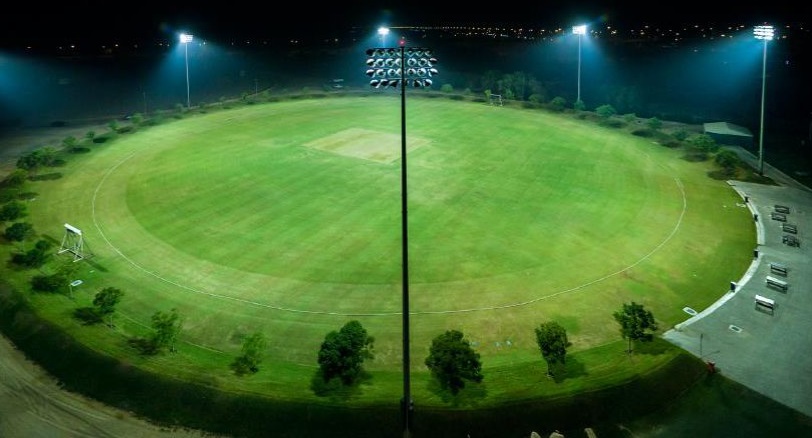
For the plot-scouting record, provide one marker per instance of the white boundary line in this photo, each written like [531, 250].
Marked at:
[745, 278]
[313, 312]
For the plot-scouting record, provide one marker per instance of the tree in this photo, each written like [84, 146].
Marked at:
[728, 161]
[15, 179]
[452, 361]
[33, 258]
[654, 124]
[12, 210]
[69, 141]
[701, 145]
[636, 323]
[605, 111]
[342, 353]
[252, 353]
[19, 231]
[49, 283]
[552, 341]
[558, 103]
[166, 326]
[106, 301]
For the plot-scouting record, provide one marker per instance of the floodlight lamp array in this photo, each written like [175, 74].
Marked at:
[579, 30]
[764, 32]
[393, 67]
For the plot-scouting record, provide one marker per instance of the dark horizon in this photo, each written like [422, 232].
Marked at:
[92, 21]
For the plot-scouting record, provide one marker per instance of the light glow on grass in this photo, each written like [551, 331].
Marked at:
[238, 221]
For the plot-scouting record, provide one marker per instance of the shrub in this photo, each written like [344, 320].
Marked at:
[33, 258]
[681, 134]
[15, 179]
[606, 111]
[49, 283]
[558, 103]
[19, 231]
[11, 211]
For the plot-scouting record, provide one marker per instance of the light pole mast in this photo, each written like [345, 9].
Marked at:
[186, 39]
[580, 31]
[398, 68]
[764, 33]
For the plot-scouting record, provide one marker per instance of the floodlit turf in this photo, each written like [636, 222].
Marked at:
[285, 218]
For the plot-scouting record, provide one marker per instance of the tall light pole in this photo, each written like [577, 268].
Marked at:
[579, 30]
[764, 33]
[186, 38]
[383, 31]
[398, 68]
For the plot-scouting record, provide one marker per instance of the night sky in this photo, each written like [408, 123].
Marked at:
[90, 20]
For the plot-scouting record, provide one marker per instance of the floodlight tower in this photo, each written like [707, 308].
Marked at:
[186, 38]
[764, 33]
[398, 68]
[383, 31]
[579, 30]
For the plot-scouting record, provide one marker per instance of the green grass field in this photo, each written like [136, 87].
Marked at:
[285, 219]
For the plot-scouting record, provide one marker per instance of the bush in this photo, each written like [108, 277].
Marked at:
[11, 211]
[33, 258]
[46, 176]
[19, 231]
[606, 111]
[49, 283]
[15, 179]
[728, 161]
[558, 103]
[640, 132]
[681, 134]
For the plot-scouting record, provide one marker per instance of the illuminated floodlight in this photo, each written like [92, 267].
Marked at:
[383, 31]
[579, 30]
[765, 32]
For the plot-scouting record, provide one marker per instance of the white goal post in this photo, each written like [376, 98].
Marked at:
[496, 99]
[72, 242]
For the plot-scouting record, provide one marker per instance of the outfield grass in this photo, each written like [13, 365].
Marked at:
[285, 219]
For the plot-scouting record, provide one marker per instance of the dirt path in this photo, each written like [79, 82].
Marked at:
[33, 405]
[16, 142]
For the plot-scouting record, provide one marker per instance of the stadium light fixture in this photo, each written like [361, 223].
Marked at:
[383, 31]
[579, 30]
[402, 67]
[764, 33]
[185, 39]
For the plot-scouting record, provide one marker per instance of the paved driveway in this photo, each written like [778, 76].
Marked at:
[769, 352]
